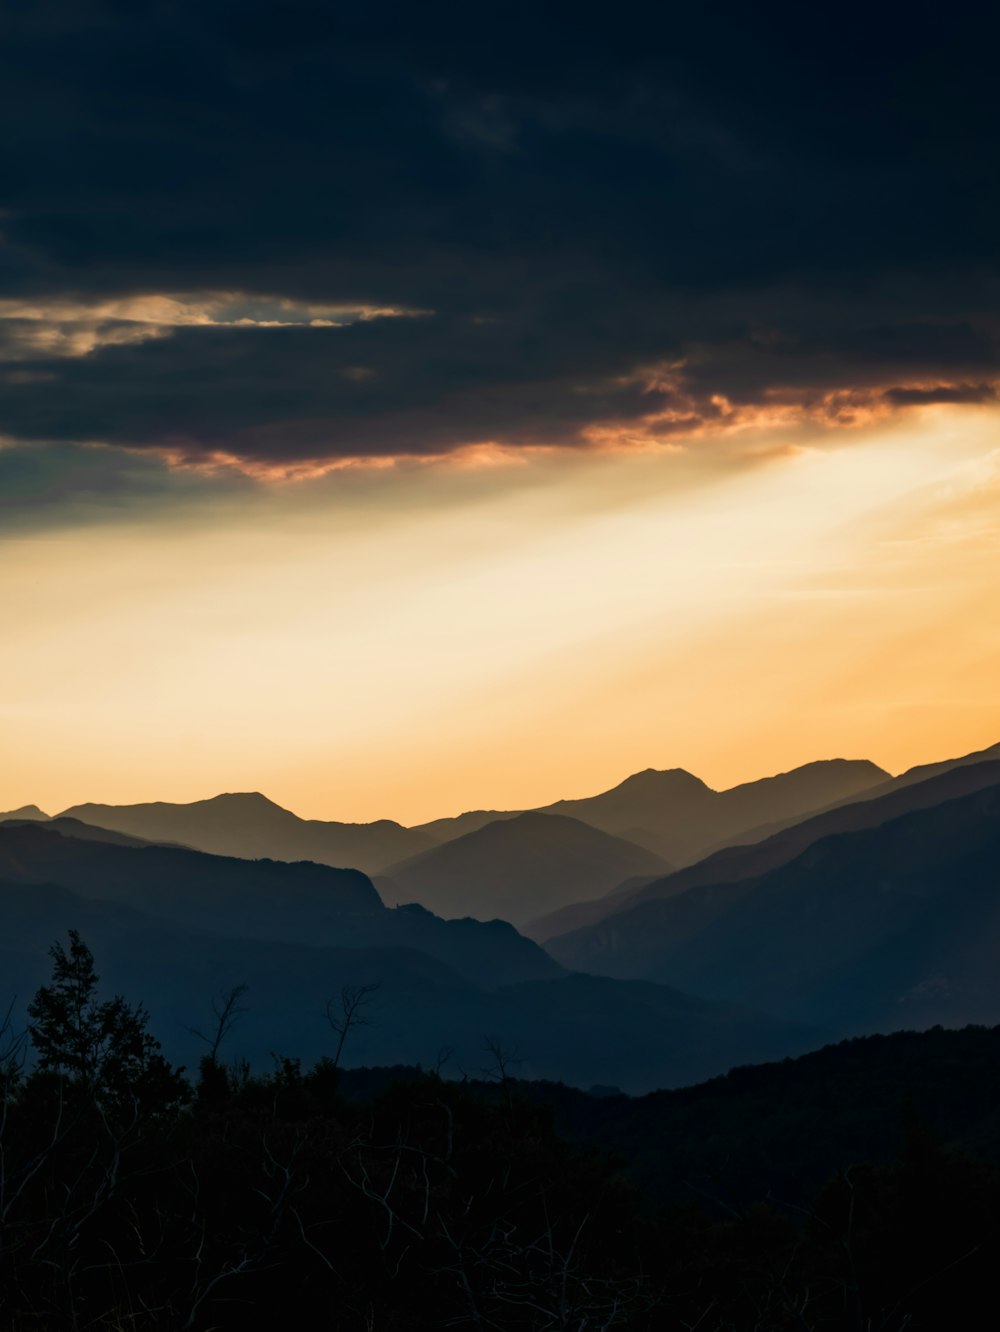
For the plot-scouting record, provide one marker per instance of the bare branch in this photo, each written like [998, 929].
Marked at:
[227, 1010]
[353, 998]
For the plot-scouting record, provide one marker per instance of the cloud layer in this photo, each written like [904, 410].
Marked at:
[605, 225]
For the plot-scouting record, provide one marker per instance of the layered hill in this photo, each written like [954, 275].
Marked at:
[884, 927]
[671, 813]
[85, 832]
[912, 776]
[175, 928]
[262, 899]
[744, 861]
[248, 825]
[514, 868]
[676, 815]
[446, 830]
[30, 812]
[782, 1130]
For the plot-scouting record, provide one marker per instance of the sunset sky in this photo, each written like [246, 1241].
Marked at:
[418, 408]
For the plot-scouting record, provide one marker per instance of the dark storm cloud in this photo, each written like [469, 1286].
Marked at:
[942, 393]
[782, 199]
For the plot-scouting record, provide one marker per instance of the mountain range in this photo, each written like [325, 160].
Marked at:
[176, 927]
[248, 825]
[894, 922]
[670, 814]
[917, 789]
[873, 907]
[266, 900]
[680, 818]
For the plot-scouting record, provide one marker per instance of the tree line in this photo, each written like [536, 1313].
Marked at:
[135, 1197]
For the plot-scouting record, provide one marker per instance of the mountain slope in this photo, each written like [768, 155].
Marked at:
[28, 812]
[634, 1034]
[679, 817]
[85, 832]
[734, 864]
[265, 900]
[671, 813]
[446, 830]
[912, 776]
[923, 771]
[248, 825]
[883, 927]
[514, 867]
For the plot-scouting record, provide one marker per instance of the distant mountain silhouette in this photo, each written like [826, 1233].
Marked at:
[513, 868]
[923, 771]
[86, 832]
[31, 812]
[679, 817]
[249, 825]
[663, 809]
[888, 926]
[263, 899]
[736, 863]
[446, 830]
[672, 814]
[911, 777]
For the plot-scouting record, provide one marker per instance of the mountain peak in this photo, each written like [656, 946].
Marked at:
[662, 779]
[26, 812]
[244, 799]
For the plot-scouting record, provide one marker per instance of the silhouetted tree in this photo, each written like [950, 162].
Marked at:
[103, 1046]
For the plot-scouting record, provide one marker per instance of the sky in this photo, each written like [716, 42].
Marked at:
[406, 409]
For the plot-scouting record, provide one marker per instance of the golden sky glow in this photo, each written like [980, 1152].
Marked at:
[412, 641]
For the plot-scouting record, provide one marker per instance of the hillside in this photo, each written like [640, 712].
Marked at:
[576, 1028]
[29, 812]
[679, 817]
[744, 861]
[867, 930]
[672, 814]
[515, 868]
[264, 900]
[912, 776]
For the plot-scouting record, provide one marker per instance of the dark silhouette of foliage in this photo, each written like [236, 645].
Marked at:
[103, 1046]
[396, 1200]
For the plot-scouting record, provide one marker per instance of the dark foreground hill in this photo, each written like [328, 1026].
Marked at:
[517, 868]
[780, 1130]
[822, 1194]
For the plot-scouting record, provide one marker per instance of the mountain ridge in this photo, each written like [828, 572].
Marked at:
[509, 867]
[744, 860]
[669, 812]
[888, 925]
